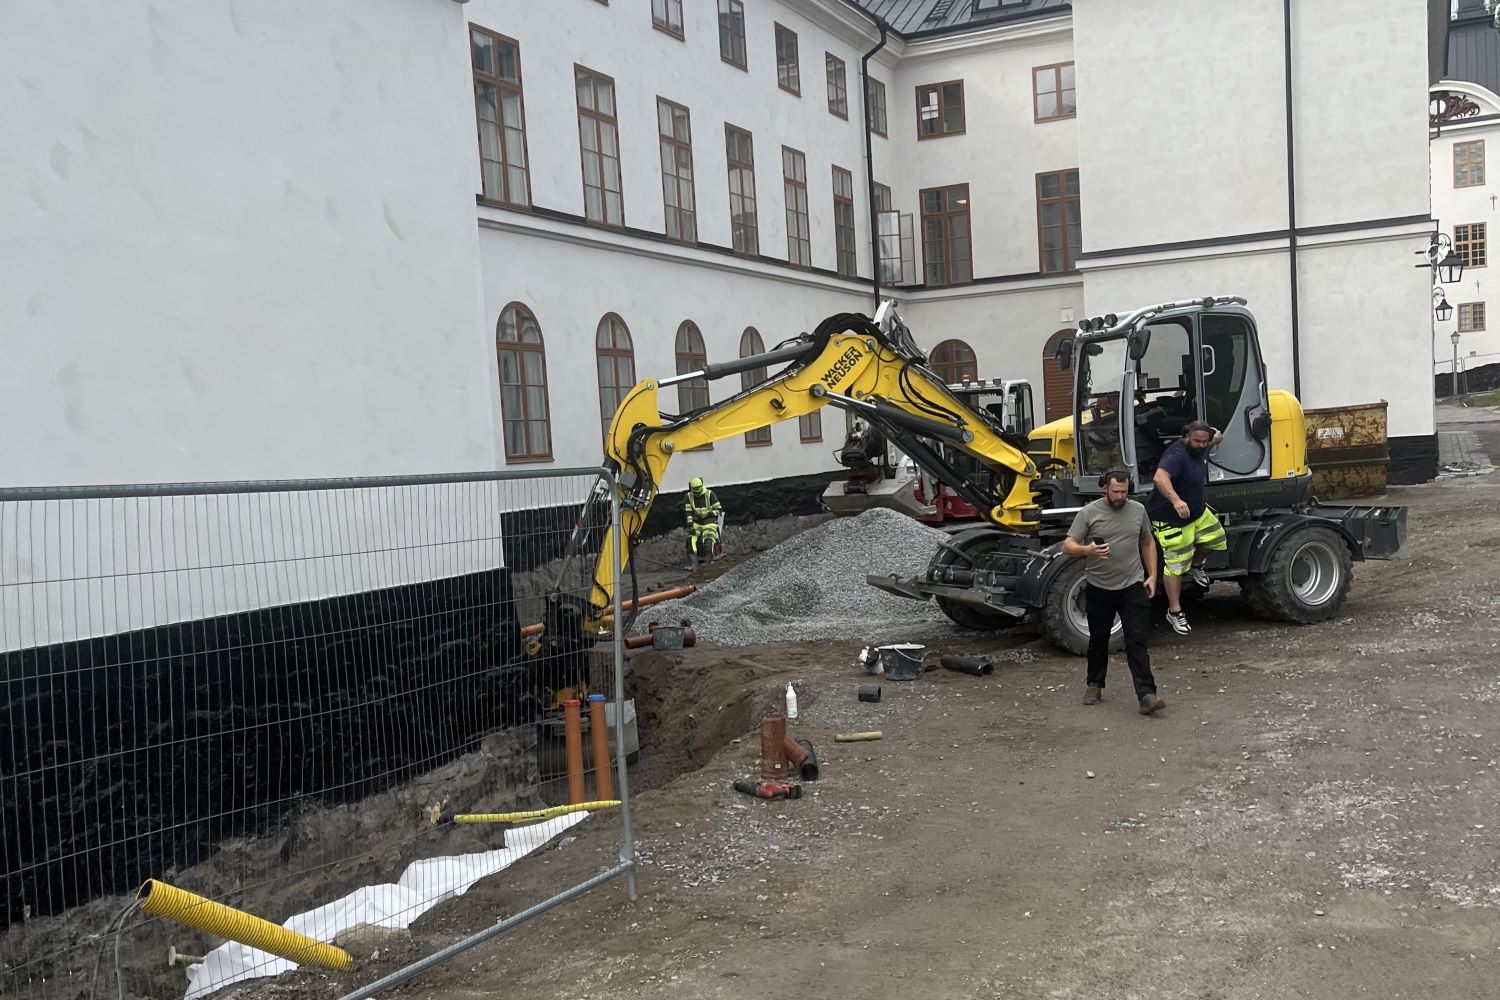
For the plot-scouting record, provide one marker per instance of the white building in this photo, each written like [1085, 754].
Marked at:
[1466, 121]
[287, 260]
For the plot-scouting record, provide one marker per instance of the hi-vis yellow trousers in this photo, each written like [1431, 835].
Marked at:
[1179, 544]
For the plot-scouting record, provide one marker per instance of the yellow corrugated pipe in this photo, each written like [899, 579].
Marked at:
[205, 915]
[524, 817]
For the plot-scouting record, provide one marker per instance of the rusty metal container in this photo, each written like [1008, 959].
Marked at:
[1348, 451]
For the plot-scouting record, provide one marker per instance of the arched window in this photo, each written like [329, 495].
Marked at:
[952, 360]
[1057, 382]
[616, 363]
[750, 343]
[523, 386]
[692, 356]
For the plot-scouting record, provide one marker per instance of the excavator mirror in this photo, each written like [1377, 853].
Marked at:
[1064, 353]
[1140, 340]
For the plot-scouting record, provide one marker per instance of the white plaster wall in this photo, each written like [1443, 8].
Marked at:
[232, 249]
[1007, 327]
[619, 40]
[1002, 149]
[1181, 131]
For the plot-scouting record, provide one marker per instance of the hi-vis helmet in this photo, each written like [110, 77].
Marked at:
[695, 484]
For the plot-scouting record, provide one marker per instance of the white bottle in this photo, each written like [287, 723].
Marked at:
[791, 702]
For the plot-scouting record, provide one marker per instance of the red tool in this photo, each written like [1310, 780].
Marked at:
[768, 789]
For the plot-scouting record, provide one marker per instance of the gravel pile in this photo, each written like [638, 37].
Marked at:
[812, 586]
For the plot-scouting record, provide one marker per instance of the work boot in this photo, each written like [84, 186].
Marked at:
[1093, 694]
[1152, 703]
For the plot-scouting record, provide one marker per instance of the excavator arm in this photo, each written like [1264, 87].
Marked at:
[871, 367]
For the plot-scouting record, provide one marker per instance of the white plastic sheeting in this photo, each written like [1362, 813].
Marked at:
[422, 886]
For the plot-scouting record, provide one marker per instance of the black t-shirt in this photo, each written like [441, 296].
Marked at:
[1189, 477]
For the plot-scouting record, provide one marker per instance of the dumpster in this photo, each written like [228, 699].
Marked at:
[1347, 451]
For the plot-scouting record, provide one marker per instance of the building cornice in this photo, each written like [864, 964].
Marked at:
[1006, 35]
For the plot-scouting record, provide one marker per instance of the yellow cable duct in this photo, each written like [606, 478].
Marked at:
[523, 817]
[168, 901]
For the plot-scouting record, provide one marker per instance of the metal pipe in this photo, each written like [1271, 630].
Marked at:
[622, 778]
[438, 957]
[192, 910]
[573, 735]
[599, 733]
[802, 758]
[773, 747]
[864, 77]
[1291, 200]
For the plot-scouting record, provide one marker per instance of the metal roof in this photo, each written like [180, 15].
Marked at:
[1474, 51]
[916, 18]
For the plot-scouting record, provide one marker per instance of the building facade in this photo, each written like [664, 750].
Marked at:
[276, 267]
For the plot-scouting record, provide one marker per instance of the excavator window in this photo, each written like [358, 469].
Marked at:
[1101, 366]
[1226, 340]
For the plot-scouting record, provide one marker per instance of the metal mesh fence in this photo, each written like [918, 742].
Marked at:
[251, 728]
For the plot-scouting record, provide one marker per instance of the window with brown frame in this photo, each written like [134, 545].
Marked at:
[1059, 221]
[1470, 317]
[1053, 96]
[1468, 164]
[843, 222]
[666, 15]
[883, 201]
[794, 187]
[788, 73]
[677, 170]
[810, 427]
[1470, 242]
[875, 101]
[940, 109]
[946, 248]
[952, 360]
[838, 86]
[599, 145]
[751, 345]
[732, 33]
[523, 386]
[616, 363]
[501, 115]
[692, 356]
[739, 151]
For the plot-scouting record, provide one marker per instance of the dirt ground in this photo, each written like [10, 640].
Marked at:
[1314, 815]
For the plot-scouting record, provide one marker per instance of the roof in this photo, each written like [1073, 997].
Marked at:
[1474, 51]
[918, 18]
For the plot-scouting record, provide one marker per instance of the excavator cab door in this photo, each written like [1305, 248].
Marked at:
[1234, 396]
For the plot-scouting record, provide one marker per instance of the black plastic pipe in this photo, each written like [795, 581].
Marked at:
[864, 78]
[1291, 200]
[970, 665]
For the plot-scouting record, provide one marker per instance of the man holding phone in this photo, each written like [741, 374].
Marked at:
[1114, 534]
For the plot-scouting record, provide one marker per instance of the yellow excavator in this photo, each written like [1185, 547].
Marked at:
[1138, 379]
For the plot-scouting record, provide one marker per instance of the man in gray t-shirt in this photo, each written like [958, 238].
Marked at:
[1114, 534]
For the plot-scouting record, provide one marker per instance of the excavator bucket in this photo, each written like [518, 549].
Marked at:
[849, 498]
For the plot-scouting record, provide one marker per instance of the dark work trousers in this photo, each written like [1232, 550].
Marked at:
[1134, 609]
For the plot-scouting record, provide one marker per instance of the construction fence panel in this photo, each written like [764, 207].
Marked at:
[263, 729]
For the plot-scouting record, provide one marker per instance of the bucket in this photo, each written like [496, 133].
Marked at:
[667, 637]
[902, 661]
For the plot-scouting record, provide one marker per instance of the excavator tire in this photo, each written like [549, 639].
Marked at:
[1062, 619]
[1308, 579]
[967, 615]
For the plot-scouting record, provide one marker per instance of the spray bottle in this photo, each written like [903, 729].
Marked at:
[791, 702]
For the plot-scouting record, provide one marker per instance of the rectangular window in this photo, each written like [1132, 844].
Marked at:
[1471, 245]
[838, 86]
[843, 222]
[940, 109]
[739, 151]
[599, 144]
[945, 235]
[810, 427]
[677, 171]
[501, 117]
[666, 15]
[1470, 317]
[788, 74]
[875, 98]
[1052, 93]
[794, 185]
[1059, 222]
[732, 32]
[1468, 164]
[897, 240]
[883, 198]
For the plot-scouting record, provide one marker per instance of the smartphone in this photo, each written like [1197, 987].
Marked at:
[1098, 541]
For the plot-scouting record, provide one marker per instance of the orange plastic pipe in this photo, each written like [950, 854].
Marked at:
[599, 730]
[573, 733]
[649, 599]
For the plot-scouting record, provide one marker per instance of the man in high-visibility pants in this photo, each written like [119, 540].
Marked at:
[703, 514]
[1184, 525]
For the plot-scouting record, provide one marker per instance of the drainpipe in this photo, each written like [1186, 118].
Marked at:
[1291, 201]
[864, 103]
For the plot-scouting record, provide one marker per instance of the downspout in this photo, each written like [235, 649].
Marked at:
[1291, 201]
[864, 102]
